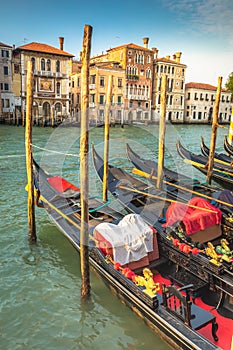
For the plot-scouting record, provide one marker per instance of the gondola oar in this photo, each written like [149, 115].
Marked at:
[146, 175]
[132, 189]
[199, 165]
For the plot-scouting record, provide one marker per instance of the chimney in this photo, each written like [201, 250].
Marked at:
[61, 40]
[167, 57]
[174, 57]
[178, 56]
[156, 51]
[145, 42]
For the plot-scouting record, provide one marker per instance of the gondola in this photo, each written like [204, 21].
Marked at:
[183, 186]
[227, 146]
[223, 175]
[137, 280]
[171, 177]
[218, 157]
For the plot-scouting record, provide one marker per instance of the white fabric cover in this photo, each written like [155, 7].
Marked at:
[131, 239]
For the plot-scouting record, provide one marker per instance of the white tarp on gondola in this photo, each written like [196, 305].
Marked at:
[131, 239]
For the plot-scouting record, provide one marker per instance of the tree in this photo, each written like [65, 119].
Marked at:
[229, 83]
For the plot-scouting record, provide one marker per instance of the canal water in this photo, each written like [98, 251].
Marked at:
[41, 306]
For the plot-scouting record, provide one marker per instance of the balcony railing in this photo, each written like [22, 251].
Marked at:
[49, 74]
[137, 97]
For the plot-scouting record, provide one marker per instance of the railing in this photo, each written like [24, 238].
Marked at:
[50, 74]
[137, 97]
[91, 86]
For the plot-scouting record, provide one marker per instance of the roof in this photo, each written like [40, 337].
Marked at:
[130, 46]
[5, 45]
[202, 86]
[167, 60]
[38, 47]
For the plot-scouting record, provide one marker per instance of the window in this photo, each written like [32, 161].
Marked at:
[5, 70]
[148, 73]
[195, 96]
[16, 68]
[188, 97]
[119, 100]
[58, 88]
[42, 64]
[6, 86]
[48, 65]
[58, 66]
[102, 81]
[101, 99]
[33, 63]
[199, 115]
[148, 59]
[5, 53]
[7, 103]
[92, 79]
[119, 82]
[92, 98]
[72, 84]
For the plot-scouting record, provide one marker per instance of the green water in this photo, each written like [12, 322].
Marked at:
[41, 306]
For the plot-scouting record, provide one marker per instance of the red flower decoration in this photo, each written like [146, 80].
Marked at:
[117, 266]
[195, 251]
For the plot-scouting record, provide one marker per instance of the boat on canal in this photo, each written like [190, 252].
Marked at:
[128, 254]
[222, 174]
[221, 158]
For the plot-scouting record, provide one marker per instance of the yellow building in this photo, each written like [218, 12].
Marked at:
[100, 74]
[51, 68]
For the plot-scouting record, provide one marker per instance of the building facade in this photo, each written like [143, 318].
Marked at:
[136, 63]
[99, 75]
[6, 88]
[51, 69]
[199, 104]
[175, 92]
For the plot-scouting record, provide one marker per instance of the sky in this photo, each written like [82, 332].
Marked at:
[201, 29]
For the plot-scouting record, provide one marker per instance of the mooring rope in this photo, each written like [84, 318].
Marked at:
[52, 151]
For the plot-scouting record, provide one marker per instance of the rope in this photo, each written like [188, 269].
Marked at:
[52, 151]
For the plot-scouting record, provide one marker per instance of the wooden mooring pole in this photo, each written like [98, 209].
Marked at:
[106, 138]
[214, 132]
[162, 128]
[84, 148]
[28, 149]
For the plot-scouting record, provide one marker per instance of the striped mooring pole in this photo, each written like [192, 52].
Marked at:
[230, 133]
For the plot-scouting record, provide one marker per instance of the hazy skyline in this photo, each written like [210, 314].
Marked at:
[200, 29]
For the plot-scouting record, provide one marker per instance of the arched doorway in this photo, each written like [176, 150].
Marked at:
[46, 113]
[57, 113]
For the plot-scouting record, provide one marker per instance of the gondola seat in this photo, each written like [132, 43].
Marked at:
[200, 219]
[131, 242]
[178, 302]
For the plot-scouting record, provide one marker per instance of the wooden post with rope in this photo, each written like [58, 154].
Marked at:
[84, 148]
[28, 150]
[106, 139]
[214, 132]
[162, 128]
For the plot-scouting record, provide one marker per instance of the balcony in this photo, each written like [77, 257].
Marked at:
[137, 97]
[91, 86]
[91, 104]
[49, 74]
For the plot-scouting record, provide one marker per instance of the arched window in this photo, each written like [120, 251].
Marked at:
[48, 65]
[42, 64]
[148, 73]
[33, 63]
[58, 88]
[58, 66]
[148, 59]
